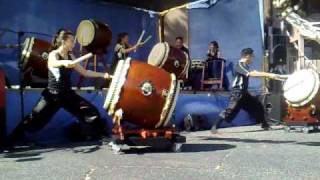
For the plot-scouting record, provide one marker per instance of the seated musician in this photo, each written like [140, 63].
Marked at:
[59, 94]
[214, 71]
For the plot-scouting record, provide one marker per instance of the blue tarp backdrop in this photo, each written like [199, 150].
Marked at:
[48, 16]
[235, 24]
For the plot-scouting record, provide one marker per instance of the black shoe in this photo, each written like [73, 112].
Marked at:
[265, 126]
[215, 125]
[6, 147]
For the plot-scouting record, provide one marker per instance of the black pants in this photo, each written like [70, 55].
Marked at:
[243, 100]
[50, 102]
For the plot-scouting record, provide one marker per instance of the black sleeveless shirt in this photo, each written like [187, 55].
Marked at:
[59, 79]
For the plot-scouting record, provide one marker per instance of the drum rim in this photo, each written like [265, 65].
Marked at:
[90, 37]
[27, 49]
[186, 67]
[116, 85]
[164, 56]
[171, 101]
[312, 94]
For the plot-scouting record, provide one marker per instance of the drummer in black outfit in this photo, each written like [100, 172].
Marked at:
[122, 49]
[240, 97]
[214, 55]
[179, 45]
[59, 94]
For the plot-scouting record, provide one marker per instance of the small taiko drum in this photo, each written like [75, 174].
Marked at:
[34, 56]
[146, 94]
[197, 64]
[301, 92]
[94, 36]
[170, 59]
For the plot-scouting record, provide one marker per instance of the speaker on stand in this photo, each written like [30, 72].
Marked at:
[274, 103]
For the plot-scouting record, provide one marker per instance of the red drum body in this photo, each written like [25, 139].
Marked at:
[94, 36]
[34, 57]
[146, 94]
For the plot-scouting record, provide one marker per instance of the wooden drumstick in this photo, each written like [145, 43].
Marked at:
[140, 38]
[82, 58]
[146, 40]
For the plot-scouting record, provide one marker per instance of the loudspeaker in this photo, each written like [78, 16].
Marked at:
[275, 107]
[279, 49]
[278, 58]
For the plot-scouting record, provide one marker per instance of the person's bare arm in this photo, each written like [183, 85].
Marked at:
[263, 74]
[88, 73]
[130, 49]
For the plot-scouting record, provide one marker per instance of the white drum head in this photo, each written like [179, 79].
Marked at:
[301, 87]
[118, 80]
[159, 54]
[170, 101]
[85, 32]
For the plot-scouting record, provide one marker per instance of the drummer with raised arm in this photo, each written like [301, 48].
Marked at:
[59, 94]
[240, 97]
[122, 49]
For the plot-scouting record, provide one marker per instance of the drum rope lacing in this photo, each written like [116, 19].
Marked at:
[118, 88]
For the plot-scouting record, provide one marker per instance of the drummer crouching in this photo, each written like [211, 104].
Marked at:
[59, 94]
[240, 97]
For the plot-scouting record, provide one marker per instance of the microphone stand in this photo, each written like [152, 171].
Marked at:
[21, 87]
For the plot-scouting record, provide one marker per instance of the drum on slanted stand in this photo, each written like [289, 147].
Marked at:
[302, 94]
[169, 58]
[94, 36]
[146, 94]
[34, 60]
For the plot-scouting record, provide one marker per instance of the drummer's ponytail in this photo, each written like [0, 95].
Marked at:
[60, 36]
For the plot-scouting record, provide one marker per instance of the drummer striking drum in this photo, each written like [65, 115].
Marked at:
[59, 94]
[240, 97]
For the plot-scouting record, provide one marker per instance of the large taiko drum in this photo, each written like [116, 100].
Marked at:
[169, 58]
[302, 88]
[146, 94]
[34, 56]
[94, 36]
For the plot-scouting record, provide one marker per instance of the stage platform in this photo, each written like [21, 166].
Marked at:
[208, 104]
[236, 153]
